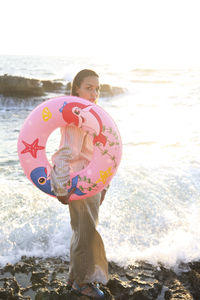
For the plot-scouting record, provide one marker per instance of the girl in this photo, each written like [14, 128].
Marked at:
[88, 263]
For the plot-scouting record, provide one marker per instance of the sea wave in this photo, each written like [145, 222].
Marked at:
[152, 81]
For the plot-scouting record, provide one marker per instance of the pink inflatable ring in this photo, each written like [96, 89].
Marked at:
[63, 111]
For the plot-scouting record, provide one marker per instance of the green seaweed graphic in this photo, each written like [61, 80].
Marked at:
[109, 142]
[92, 185]
[104, 151]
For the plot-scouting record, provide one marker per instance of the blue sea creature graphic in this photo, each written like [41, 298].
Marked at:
[74, 185]
[39, 178]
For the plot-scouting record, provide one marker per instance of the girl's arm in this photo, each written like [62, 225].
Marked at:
[65, 199]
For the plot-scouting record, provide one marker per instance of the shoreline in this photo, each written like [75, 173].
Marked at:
[41, 279]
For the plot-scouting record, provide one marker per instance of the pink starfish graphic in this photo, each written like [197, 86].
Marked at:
[32, 148]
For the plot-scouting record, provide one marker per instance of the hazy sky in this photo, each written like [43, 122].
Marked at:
[145, 31]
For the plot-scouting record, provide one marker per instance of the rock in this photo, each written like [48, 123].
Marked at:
[23, 267]
[25, 87]
[175, 288]
[68, 88]
[52, 86]
[39, 278]
[141, 281]
[9, 268]
[177, 291]
[118, 90]
[106, 90]
[12, 284]
[16, 86]
[11, 290]
[195, 280]
[134, 283]
[6, 295]
[20, 86]
[42, 294]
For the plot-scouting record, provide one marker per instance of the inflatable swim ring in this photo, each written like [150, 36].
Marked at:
[63, 111]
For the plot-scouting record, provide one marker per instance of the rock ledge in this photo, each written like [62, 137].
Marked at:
[42, 279]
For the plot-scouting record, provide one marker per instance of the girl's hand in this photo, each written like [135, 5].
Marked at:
[65, 199]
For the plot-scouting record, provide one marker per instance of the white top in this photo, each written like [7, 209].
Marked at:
[74, 154]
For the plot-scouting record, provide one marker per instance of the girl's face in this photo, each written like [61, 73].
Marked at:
[89, 88]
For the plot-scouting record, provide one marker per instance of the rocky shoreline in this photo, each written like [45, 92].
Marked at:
[16, 86]
[43, 279]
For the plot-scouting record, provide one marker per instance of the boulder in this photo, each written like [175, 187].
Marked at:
[52, 86]
[20, 86]
[16, 86]
[106, 90]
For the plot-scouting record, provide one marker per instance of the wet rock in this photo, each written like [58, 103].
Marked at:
[177, 291]
[11, 290]
[175, 286]
[106, 90]
[42, 294]
[134, 283]
[20, 86]
[23, 267]
[194, 282]
[16, 86]
[9, 268]
[116, 90]
[52, 86]
[60, 294]
[12, 285]
[39, 279]
[25, 87]
[6, 295]
[68, 88]
[56, 283]
[195, 266]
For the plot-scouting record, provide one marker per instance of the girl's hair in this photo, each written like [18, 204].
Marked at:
[78, 79]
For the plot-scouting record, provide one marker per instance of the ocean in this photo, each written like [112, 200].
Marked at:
[152, 208]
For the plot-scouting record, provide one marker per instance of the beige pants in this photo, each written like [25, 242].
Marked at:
[88, 261]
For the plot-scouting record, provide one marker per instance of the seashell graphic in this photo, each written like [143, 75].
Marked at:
[46, 114]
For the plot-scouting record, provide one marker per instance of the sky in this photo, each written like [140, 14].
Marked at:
[164, 32]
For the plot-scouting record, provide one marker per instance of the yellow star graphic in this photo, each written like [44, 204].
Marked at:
[104, 175]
